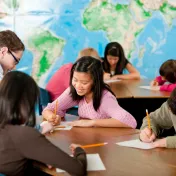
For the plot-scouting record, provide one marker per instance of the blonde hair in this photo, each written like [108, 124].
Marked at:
[89, 52]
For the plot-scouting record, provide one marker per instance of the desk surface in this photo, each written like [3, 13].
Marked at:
[120, 90]
[130, 88]
[121, 161]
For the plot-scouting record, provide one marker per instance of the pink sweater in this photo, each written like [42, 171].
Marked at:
[109, 108]
[166, 87]
[60, 81]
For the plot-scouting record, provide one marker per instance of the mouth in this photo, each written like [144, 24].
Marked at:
[79, 91]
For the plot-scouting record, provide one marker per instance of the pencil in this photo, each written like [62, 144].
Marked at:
[148, 119]
[94, 145]
[56, 106]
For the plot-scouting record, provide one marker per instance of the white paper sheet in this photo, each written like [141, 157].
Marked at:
[145, 87]
[66, 124]
[111, 81]
[94, 163]
[136, 144]
[156, 88]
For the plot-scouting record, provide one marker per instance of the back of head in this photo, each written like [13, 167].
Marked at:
[168, 70]
[89, 52]
[172, 101]
[10, 40]
[116, 50]
[18, 96]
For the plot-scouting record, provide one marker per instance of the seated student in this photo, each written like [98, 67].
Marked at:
[167, 74]
[94, 98]
[20, 143]
[11, 51]
[114, 63]
[162, 118]
[60, 80]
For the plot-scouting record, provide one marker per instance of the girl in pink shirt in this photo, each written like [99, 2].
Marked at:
[63, 75]
[94, 99]
[168, 74]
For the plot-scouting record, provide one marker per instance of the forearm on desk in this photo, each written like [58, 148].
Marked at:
[109, 123]
[127, 76]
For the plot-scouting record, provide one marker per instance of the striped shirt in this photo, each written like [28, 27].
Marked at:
[109, 108]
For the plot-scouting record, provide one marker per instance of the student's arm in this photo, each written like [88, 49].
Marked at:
[112, 122]
[168, 88]
[115, 116]
[133, 73]
[34, 146]
[159, 119]
[65, 102]
[118, 117]
[158, 81]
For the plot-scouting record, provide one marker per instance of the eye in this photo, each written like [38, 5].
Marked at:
[75, 80]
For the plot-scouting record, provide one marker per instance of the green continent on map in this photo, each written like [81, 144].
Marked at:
[116, 20]
[46, 48]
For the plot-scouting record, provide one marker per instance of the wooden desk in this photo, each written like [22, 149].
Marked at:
[84, 136]
[121, 161]
[130, 88]
[135, 99]
[137, 92]
[120, 90]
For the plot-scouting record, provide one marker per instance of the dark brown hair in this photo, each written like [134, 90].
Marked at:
[88, 64]
[18, 96]
[10, 40]
[168, 70]
[115, 49]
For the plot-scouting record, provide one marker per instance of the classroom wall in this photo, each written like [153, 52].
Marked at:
[55, 31]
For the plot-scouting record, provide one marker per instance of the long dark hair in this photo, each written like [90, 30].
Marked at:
[168, 70]
[18, 96]
[115, 49]
[94, 67]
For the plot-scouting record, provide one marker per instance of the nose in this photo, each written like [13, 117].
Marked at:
[113, 62]
[78, 86]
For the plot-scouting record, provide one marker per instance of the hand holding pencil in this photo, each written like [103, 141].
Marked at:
[147, 135]
[74, 146]
[54, 118]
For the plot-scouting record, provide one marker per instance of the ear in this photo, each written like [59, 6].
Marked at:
[4, 50]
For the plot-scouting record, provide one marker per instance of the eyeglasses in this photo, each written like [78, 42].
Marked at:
[16, 60]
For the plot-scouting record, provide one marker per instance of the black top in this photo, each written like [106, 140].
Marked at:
[21, 144]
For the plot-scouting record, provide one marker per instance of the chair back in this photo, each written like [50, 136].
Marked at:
[44, 99]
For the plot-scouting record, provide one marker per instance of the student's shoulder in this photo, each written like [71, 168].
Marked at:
[19, 131]
[67, 66]
[107, 95]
